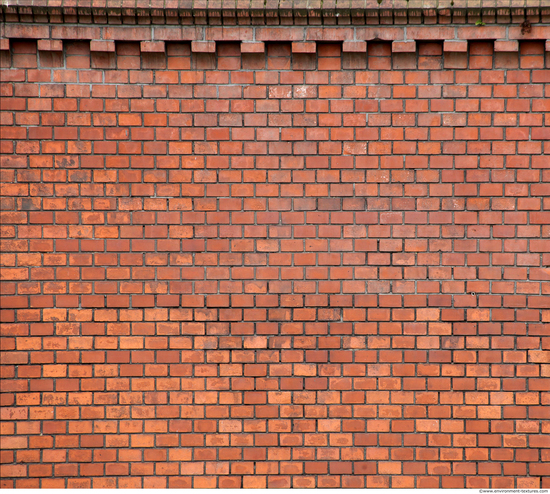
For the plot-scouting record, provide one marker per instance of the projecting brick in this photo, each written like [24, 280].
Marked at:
[50, 45]
[307, 47]
[203, 46]
[506, 46]
[102, 46]
[152, 46]
[455, 46]
[403, 47]
[354, 46]
[252, 47]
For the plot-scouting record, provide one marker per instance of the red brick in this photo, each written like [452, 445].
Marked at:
[290, 260]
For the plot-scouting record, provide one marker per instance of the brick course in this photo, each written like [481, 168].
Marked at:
[289, 256]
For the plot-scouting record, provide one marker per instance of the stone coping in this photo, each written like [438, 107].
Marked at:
[276, 12]
[293, 6]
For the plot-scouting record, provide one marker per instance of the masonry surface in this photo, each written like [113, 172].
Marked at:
[287, 256]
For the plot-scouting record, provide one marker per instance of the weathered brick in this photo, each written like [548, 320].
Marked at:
[265, 246]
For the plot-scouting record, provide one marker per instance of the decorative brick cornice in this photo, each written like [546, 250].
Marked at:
[275, 12]
[253, 39]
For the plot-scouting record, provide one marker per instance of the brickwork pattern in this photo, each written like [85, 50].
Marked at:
[288, 267]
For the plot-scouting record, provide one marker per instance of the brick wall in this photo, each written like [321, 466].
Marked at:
[275, 257]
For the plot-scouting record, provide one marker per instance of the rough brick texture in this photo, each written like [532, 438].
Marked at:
[309, 263]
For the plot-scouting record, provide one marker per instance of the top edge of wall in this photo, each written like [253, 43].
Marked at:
[289, 12]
